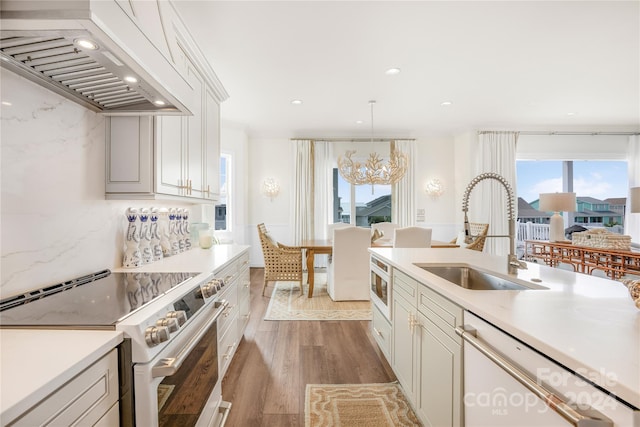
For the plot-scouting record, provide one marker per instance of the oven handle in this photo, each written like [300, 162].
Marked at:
[591, 418]
[169, 365]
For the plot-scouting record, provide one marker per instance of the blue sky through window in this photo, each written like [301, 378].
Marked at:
[598, 179]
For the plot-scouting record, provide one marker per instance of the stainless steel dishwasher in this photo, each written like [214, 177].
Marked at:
[506, 383]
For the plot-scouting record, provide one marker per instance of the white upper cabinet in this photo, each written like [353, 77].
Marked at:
[168, 156]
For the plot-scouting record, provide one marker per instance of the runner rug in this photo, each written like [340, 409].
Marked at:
[357, 405]
[288, 304]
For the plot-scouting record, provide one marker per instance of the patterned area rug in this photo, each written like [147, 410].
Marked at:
[357, 405]
[287, 304]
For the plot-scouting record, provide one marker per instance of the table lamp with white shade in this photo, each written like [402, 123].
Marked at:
[556, 203]
[634, 192]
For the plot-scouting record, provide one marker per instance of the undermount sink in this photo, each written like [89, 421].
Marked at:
[471, 278]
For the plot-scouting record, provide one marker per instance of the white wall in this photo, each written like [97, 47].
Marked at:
[269, 158]
[435, 156]
[56, 224]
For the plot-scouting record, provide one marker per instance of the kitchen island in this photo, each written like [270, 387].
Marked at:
[36, 363]
[587, 324]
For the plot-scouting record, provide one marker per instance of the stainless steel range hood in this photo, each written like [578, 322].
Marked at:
[93, 53]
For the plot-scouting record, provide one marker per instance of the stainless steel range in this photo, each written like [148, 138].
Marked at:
[171, 346]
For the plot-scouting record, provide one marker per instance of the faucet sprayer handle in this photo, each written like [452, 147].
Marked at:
[467, 230]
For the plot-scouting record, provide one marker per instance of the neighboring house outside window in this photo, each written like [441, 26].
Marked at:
[604, 178]
[368, 208]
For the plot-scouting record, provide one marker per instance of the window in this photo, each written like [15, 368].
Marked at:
[600, 188]
[222, 209]
[367, 209]
[358, 204]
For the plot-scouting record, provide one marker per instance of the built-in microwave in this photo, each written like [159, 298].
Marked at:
[380, 287]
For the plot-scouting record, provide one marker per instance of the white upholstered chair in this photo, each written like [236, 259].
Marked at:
[348, 271]
[386, 228]
[412, 237]
[334, 226]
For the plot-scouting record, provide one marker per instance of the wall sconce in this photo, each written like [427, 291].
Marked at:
[270, 188]
[556, 203]
[434, 188]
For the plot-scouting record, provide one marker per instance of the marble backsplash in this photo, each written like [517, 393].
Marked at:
[55, 223]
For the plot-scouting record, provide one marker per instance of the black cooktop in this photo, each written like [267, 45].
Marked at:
[94, 301]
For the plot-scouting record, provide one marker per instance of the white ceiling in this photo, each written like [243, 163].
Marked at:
[504, 65]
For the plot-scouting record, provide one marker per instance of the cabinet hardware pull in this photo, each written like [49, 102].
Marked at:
[377, 332]
[227, 355]
[413, 322]
[550, 399]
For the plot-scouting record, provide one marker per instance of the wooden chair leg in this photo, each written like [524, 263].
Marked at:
[264, 286]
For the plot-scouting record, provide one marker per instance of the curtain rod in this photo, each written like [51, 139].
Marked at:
[534, 132]
[353, 139]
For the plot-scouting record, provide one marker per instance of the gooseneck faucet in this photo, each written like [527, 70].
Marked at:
[512, 260]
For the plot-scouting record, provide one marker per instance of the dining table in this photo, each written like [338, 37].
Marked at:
[325, 247]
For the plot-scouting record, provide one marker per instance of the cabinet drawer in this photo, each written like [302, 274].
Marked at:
[442, 312]
[381, 331]
[83, 400]
[227, 344]
[405, 285]
[224, 321]
[244, 313]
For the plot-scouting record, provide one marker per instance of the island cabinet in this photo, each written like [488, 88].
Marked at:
[90, 398]
[426, 352]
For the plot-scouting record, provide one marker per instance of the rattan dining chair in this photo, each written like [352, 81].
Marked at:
[479, 233]
[281, 262]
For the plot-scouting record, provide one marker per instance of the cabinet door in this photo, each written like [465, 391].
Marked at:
[212, 146]
[194, 145]
[170, 133]
[403, 345]
[129, 166]
[439, 397]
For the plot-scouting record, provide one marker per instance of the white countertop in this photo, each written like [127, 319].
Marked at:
[196, 260]
[34, 363]
[586, 323]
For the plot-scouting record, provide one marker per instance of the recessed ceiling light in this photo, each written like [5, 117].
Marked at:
[359, 122]
[7, 103]
[130, 79]
[86, 43]
[571, 114]
[446, 104]
[297, 102]
[392, 71]
[159, 102]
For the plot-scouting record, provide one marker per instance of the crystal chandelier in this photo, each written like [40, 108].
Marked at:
[373, 171]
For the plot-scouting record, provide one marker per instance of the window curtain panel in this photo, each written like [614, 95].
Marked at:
[496, 153]
[403, 197]
[632, 220]
[303, 204]
[323, 189]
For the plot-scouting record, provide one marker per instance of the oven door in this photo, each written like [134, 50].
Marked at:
[180, 386]
[380, 286]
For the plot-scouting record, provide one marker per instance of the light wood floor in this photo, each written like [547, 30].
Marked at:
[276, 359]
